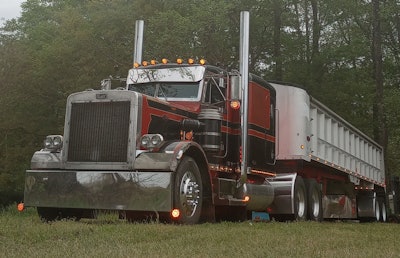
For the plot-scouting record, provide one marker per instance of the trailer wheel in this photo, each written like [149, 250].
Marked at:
[188, 194]
[300, 200]
[383, 217]
[377, 211]
[314, 198]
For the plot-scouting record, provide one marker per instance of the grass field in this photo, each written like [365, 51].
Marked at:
[24, 235]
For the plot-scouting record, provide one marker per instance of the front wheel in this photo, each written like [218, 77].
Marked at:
[188, 192]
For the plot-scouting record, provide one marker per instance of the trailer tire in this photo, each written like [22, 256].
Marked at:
[383, 212]
[314, 198]
[188, 192]
[377, 211]
[300, 200]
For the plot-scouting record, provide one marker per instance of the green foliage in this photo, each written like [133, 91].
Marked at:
[58, 47]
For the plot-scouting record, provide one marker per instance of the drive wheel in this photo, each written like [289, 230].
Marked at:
[300, 200]
[314, 198]
[188, 192]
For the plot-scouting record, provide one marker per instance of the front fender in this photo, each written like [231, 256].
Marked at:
[169, 157]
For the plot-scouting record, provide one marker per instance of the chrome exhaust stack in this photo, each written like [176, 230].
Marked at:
[137, 54]
[244, 81]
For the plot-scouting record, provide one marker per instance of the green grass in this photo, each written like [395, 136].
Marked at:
[24, 235]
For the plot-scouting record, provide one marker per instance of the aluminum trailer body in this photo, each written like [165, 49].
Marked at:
[320, 145]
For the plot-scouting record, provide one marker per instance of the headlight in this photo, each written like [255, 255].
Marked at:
[151, 141]
[57, 141]
[53, 142]
[156, 139]
[145, 141]
[48, 142]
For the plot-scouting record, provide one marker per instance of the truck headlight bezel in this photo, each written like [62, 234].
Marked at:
[151, 141]
[53, 143]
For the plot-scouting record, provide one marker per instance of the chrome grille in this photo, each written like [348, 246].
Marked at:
[99, 132]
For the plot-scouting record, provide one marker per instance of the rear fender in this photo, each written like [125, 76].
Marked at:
[284, 193]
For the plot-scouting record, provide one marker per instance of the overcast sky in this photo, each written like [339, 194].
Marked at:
[10, 9]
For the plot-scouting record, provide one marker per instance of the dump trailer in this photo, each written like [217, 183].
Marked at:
[188, 142]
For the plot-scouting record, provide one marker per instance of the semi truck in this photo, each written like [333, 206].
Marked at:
[189, 142]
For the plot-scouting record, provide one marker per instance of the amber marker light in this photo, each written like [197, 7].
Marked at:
[246, 198]
[175, 213]
[235, 104]
[145, 63]
[202, 61]
[136, 65]
[191, 61]
[164, 61]
[153, 62]
[189, 136]
[179, 60]
[20, 206]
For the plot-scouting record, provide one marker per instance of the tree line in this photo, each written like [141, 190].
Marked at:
[345, 53]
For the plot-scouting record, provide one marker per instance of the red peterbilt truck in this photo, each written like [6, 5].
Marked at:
[189, 142]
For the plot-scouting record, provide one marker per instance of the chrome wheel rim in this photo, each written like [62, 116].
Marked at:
[189, 194]
[315, 206]
[301, 204]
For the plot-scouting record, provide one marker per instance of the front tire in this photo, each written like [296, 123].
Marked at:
[188, 192]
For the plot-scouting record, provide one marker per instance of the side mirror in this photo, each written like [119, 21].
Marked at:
[236, 91]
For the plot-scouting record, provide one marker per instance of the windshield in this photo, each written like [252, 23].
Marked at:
[166, 74]
[185, 91]
[172, 83]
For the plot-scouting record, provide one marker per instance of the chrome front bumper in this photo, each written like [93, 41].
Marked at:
[111, 190]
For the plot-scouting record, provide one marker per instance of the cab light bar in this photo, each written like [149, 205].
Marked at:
[190, 61]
